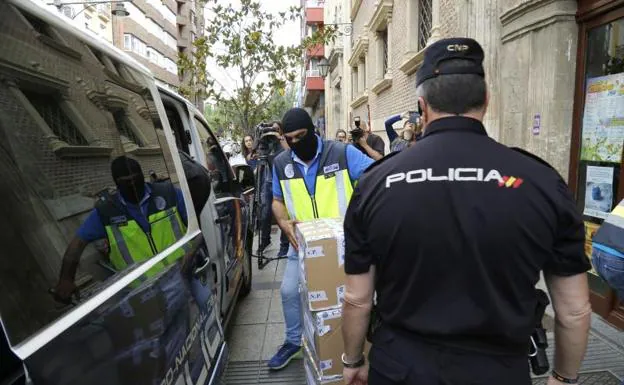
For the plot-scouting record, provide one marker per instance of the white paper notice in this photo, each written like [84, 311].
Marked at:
[316, 296]
[603, 119]
[598, 191]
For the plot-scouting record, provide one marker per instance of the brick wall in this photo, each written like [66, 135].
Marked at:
[400, 97]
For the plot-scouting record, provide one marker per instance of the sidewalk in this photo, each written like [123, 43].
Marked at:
[257, 331]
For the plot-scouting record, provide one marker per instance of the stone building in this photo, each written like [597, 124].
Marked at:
[542, 60]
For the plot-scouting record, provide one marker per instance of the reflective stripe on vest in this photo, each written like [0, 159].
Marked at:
[333, 186]
[130, 245]
[331, 197]
[611, 233]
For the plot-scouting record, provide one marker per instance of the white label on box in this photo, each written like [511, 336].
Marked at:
[324, 330]
[341, 250]
[327, 364]
[316, 296]
[340, 293]
[314, 252]
[329, 314]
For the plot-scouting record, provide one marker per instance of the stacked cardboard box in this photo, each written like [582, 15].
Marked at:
[322, 279]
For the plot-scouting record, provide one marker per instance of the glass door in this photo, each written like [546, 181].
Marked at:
[600, 120]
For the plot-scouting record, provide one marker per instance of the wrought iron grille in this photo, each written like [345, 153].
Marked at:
[384, 40]
[47, 105]
[38, 25]
[124, 127]
[424, 22]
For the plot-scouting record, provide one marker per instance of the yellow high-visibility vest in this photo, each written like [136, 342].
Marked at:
[129, 243]
[333, 189]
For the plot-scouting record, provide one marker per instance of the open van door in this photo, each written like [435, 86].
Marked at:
[105, 274]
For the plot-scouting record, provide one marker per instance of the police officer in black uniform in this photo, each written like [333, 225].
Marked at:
[452, 234]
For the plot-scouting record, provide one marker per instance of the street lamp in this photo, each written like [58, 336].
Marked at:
[119, 9]
[323, 67]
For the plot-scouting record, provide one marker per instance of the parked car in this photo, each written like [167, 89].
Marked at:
[69, 105]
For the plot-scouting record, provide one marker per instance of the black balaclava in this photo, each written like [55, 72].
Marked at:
[132, 189]
[296, 119]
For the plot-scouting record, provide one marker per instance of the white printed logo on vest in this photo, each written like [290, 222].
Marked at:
[160, 203]
[289, 170]
[331, 168]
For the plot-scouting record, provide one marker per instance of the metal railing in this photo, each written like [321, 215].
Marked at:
[315, 3]
[424, 22]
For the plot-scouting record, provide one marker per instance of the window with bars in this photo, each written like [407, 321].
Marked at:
[124, 127]
[38, 25]
[383, 35]
[424, 22]
[49, 108]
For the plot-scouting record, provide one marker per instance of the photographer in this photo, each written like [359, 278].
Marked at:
[410, 134]
[367, 142]
[269, 145]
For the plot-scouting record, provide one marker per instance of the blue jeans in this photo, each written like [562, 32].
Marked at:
[611, 269]
[291, 304]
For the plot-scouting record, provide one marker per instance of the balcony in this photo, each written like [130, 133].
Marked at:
[183, 42]
[314, 15]
[182, 19]
[317, 50]
[314, 87]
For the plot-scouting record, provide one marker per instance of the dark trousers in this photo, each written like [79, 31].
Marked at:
[397, 358]
[266, 216]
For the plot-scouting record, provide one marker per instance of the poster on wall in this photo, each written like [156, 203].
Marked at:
[590, 230]
[603, 119]
[598, 191]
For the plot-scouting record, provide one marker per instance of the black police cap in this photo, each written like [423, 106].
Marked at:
[447, 49]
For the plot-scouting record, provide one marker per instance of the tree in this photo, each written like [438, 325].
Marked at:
[220, 116]
[242, 40]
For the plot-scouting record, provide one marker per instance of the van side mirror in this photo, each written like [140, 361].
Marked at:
[245, 177]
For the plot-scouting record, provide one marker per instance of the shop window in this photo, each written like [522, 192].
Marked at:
[49, 108]
[596, 170]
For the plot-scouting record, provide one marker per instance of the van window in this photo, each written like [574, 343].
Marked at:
[217, 164]
[85, 175]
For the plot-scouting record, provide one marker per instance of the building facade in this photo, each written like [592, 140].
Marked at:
[156, 31]
[312, 95]
[95, 18]
[555, 72]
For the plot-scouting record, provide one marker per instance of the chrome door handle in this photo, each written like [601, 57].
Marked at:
[202, 268]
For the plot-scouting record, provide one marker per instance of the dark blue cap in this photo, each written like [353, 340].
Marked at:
[447, 49]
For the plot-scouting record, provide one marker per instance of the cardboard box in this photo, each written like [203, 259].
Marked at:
[313, 377]
[321, 255]
[323, 339]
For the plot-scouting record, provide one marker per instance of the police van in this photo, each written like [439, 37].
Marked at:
[102, 283]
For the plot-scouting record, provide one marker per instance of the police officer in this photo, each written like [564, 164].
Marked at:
[137, 221]
[312, 179]
[455, 269]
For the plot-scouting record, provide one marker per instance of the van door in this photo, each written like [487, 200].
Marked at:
[75, 187]
[228, 214]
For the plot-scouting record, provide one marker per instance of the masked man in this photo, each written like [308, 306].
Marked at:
[138, 221]
[313, 179]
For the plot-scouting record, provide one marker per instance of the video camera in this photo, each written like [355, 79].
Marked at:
[267, 141]
[357, 132]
